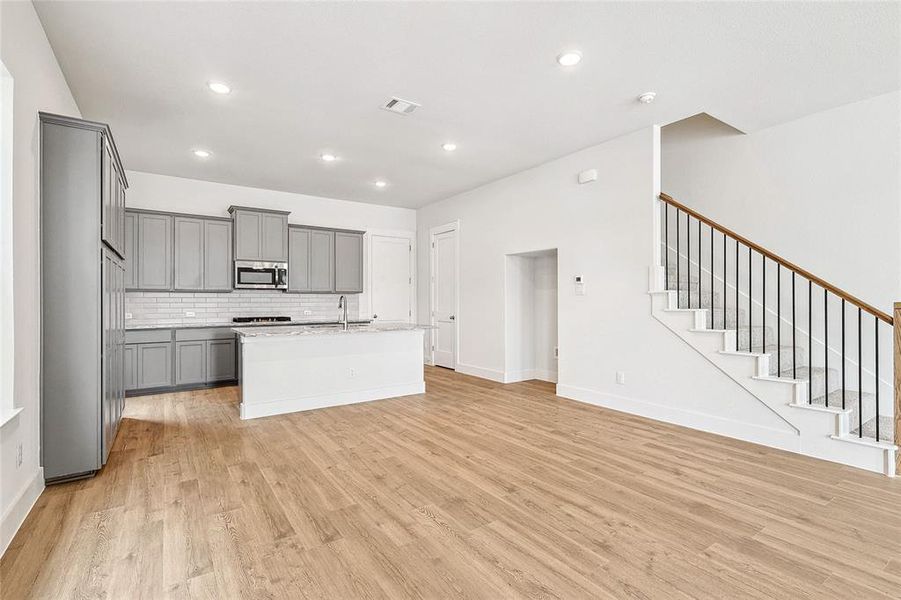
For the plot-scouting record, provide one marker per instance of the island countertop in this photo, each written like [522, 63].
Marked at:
[307, 330]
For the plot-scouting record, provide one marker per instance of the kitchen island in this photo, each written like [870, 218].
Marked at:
[294, 368]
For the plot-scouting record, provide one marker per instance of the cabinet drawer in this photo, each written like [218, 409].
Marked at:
[148, 336]
[206, 333]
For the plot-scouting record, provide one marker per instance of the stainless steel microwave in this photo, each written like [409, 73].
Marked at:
[261, 275]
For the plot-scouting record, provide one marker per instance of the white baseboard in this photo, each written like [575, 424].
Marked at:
[15, 515]
[774, 438]
[492, 374]
[289, 405]
[529, 374]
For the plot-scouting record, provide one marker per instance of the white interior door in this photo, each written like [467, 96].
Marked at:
[445, 298]
[392, 278]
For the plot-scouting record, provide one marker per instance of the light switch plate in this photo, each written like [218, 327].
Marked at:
[190, 313]
[620, 378]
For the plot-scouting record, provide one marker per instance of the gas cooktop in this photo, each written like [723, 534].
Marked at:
[260, 319]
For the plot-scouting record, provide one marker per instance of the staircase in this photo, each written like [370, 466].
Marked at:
[711, 290]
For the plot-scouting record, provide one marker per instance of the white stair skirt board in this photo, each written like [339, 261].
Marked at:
[19, 508]
[822, 432]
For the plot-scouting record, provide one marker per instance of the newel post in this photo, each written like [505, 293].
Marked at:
[897, 354]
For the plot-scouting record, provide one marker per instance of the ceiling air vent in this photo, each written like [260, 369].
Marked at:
[400, 106]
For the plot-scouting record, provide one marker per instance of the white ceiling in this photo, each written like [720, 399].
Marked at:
[309, 78]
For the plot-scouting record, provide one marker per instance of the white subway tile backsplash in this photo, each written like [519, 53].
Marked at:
[169, 308]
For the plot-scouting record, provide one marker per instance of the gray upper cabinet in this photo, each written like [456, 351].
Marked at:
[260, 235]
[154, 251]
[322, 261]
[325, 261]
[248, 228]
[348, 262]
[131, 237]
[188, 253]
[299, 260]
[217, 255]
[275, 237]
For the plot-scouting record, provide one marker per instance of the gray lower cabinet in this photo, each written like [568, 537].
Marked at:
[154, 251]
[156, 359]
[154, 365]
[188, 253]
[220, 360]
[190, 362]
[348, 262]
[130, 353]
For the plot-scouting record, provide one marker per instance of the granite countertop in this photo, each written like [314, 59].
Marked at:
[306, 330]
[233, 324]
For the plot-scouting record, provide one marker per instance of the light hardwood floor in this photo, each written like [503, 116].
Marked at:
[473, 490]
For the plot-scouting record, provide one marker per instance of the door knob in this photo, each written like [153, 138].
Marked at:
[375, 316]
[452, 318]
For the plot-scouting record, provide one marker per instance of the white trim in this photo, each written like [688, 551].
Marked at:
[774, 438]
[481, 372]
[433, 232]
[8, 414]
[366, 297]
[289, 405]
[7, 321]
[19, 508]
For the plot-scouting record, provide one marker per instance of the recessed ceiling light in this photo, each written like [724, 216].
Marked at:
[569, 59]
[202, 153]
[647, 97]
[219, 87]
[328, 157]
[380, 183]
[449, 146]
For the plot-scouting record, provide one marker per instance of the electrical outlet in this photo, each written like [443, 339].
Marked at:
[556, 352]
[190, 313]
[127, 315]
[307, 313]
[19, 455]
[620, 378]
[353, 372]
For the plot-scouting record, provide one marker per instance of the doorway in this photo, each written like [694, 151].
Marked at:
[530, 316]
[445, 270]
[391, 287]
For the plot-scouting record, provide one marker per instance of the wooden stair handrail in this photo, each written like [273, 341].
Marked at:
[776, 258]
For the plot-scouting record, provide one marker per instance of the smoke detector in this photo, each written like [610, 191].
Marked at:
[400, 106]
[647, 97]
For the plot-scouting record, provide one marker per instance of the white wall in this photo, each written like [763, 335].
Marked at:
[605, 232]
[823, 191]
[39, 85]
[176, 194]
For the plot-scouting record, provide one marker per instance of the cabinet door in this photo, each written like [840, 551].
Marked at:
[190, 362]
[155, 365]
[154, 252]
[130, 357]
[248, 229]
[299, 260]
[188, 254]
[322, 261]
[348, 262]
[217, 255]
[131, 258]
[107, 194]
[120, 215]
[220, 357]
[274, 237]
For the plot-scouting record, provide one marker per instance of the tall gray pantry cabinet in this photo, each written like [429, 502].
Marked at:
[82, 295]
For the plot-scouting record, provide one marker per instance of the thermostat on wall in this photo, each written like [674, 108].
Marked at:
[580, 285]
